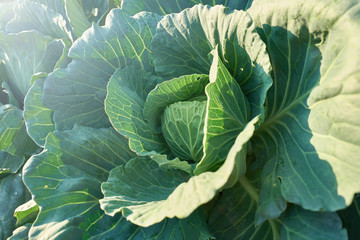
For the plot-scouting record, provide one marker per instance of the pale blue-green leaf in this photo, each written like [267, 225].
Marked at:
[299, 224]
[12, 194]
[95, 10]
[31, 16]
[228, 111]
[22, 54]
[124, 104]
[291, 139]
[76, 94]
[26, 213]
[55, 56]
[184, 88]
[65, 182]
[38, 118]
[77, 17]
[183, 43]
[4, 98]
[6, 13]
[82, 13]
[9, 97]
[182, 126]
[158, 193]
[164, 7]
[13, 136]
[57, 5]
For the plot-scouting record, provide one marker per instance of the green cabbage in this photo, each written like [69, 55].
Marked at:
[171, 119]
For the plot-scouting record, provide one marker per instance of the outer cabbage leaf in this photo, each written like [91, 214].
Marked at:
[183, 43]
[227, 113]
[12, 194]
[336, 103]
[13, 136]
[233, 214]
[56, 5]
[164, 7]
[31, 16]
[57, 18]
[192, 227]
[123, 41]
[10, 163]
[297, 223]
[124, 103]
[22, 54]
[6, 13]
[38, 118]
[95, 10]
[184, 88]
[6, 95]
[82, 13]
[147, 194]
[65, 181]
[233, 217]
[21, 232]
[304, 47]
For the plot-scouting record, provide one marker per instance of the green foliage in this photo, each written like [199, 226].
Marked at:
[169, 119]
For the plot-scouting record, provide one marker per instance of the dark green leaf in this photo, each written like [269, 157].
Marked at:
[233, 215]
[168, 229]
[65, 181]
[76, 94]
[10, 162]
[12, 194]
[298, 224]
[351, 218]
[21, 232]
[305, 104]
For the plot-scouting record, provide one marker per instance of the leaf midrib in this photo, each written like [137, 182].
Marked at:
[272, 120]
